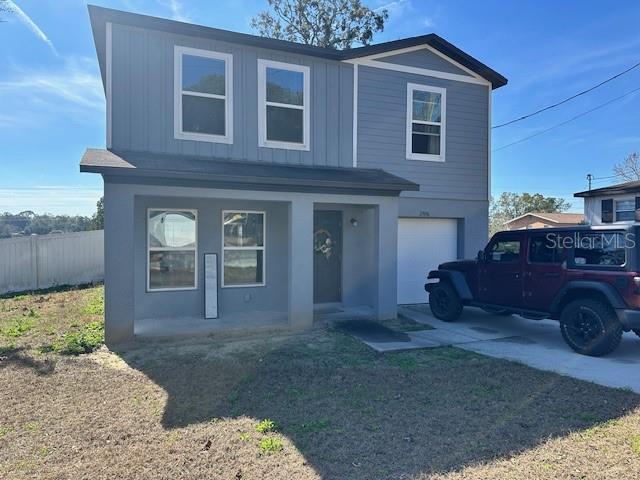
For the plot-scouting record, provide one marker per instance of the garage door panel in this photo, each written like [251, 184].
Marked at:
[422, 245]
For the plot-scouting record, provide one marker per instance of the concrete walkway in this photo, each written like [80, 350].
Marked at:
[537, 344]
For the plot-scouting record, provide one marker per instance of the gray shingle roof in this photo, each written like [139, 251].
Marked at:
[230, 173]
[618, 189]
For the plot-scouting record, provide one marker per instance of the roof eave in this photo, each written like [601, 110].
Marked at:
[395, 188]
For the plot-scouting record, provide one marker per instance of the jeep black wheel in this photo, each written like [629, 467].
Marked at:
[590, 327]
[444, 302]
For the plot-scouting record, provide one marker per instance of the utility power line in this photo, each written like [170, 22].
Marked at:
[605, 179]
[567, 121]
[567, 99]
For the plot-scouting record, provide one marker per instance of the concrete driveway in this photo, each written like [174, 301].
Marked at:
[538, 344]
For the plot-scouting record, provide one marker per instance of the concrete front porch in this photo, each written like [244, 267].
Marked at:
[285, 301]
[230, 325]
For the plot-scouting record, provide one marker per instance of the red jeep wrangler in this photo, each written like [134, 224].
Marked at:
[585, 277]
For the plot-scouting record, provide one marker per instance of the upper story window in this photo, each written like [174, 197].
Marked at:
[203, 95]
[426, 108]
[283, 105]
[625, 210]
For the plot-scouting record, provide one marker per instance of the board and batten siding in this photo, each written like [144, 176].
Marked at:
[143, 101]
[424, 59]
[382, 123]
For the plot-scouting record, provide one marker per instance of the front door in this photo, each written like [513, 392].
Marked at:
[500, 274]
[327, 256]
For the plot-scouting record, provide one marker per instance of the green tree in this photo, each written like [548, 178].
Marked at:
[510, 205]
[324, 23]
[97, 221]
[629, 169]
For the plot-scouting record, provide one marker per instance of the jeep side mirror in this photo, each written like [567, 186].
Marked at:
[481, 256]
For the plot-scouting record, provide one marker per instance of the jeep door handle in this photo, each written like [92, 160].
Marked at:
[552, 274]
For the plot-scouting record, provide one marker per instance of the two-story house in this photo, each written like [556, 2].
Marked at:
[618, 203]
[249, 182]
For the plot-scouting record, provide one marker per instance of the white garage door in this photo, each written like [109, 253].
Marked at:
[423, 243]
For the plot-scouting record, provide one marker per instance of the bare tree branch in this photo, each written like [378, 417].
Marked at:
[629, 168]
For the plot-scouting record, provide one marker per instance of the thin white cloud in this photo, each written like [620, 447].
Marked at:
[50, 199]
[395, 8]
[177, 10]
[30, 24]
[76, 85]
[580, 62]
[623, 141]
[429, 22]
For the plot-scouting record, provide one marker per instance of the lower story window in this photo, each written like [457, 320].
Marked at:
[172, 249]
[243, 248]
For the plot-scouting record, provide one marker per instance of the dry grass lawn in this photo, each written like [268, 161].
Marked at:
[337, 410]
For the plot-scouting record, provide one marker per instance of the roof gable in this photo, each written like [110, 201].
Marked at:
[558, 218]
[422, 57]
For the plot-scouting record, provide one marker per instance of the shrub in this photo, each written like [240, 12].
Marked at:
[270, 445]
[89, 338]
[20, 326]
[266, 425]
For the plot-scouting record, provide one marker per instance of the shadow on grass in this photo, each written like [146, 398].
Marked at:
[10, 356]
[357, 414]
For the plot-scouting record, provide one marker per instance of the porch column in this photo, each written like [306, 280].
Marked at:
[387, 253]
[118, 263]
[301, 263]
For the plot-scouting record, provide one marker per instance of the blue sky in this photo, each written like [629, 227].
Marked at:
[52, 104]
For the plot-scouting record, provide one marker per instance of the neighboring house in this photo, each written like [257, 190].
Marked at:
[614, 204]
[324, 180]
[544, 220]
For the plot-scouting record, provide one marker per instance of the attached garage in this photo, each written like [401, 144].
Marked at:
[423, 243]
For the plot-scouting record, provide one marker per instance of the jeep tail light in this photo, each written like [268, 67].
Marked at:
[636, 285]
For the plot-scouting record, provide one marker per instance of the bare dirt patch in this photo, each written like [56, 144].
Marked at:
[339, 410]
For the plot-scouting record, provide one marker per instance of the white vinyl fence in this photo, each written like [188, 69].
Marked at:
[36, 262]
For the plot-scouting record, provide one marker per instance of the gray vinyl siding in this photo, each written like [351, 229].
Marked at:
[423, 59]
[143, 101]
[382, 120]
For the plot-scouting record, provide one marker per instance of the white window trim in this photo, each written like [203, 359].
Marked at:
[411, 87]
[615, 209]
[262, 105]
[109, 80]
[263, 248]
[228, 97]
[177, 249]
[378, 61]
